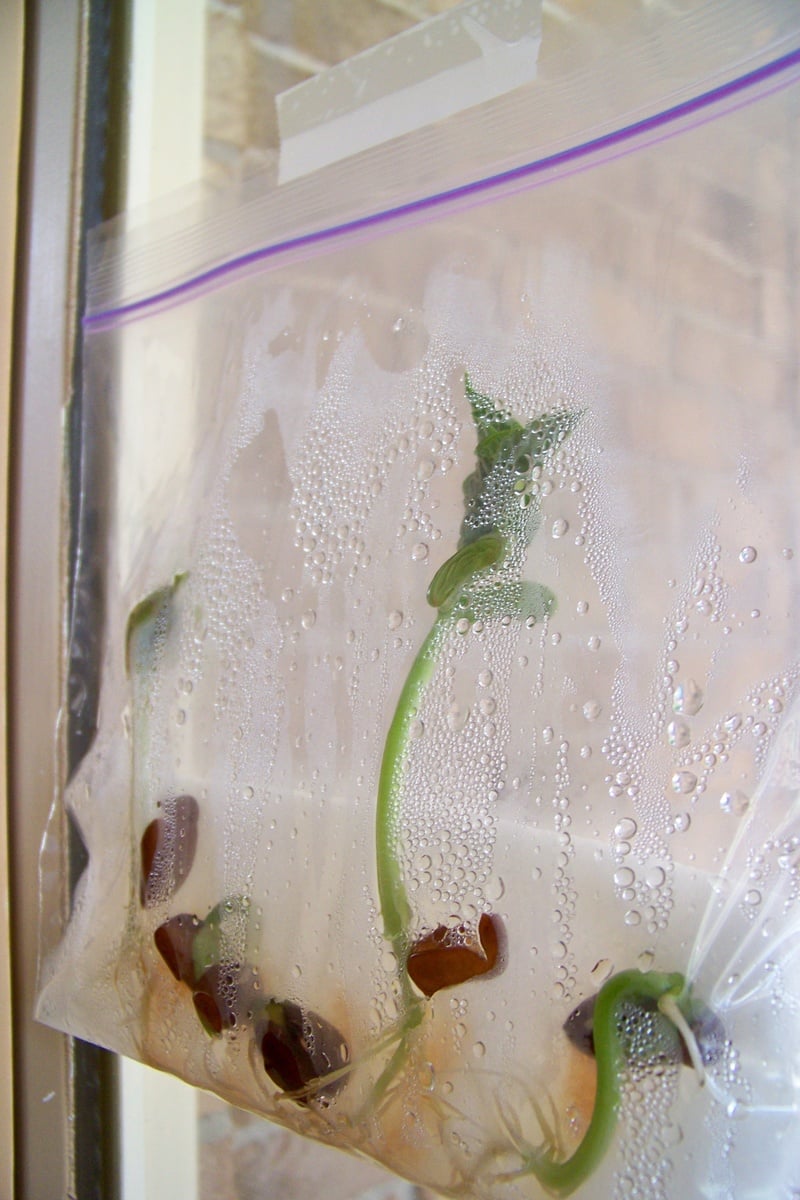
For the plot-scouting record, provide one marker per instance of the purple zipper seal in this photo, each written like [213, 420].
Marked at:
[689, 114]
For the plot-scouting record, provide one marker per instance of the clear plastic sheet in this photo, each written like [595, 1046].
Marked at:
[441, 797]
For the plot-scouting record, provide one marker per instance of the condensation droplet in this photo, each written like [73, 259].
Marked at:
[419, 552]
[495, 889]
[416, 728]
[684, 782]
[748, 554]
[633, 917]
[308, 618]
[478, 1050]
[688, 698]
[395, 619]
[735, 802]
[601, 971]
[560, 527]
[655, 877]
[625, 828]
[591, 710]
[425, 469]
[485, 677]
[624, 877]
[678, 733]
[682, 822]
[594, 643]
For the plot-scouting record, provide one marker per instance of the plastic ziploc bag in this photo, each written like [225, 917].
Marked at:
[441, 796]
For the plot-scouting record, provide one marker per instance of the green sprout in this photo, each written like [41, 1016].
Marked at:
[616, 1048]
[480, 581]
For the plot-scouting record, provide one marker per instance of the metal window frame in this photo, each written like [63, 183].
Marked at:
[63, 1090]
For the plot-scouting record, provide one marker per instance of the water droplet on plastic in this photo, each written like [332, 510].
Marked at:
[560, 527]
[633, 917]
[495, 889]
[682, 822]
[425, 469]
[395, 619]
[308, 618]
[456, 717]
[688, 698]
[678, 733]
[748, 554]
[735, 802]
[485, 677]
[625, 828]
[684, 782]
[655, 877]
[787, 552]
[416, 729]
[591, 710]
[594, 643]
[478, 1050]
[624, 877]
[582, 607]
[601, 971]
[419, 552]
[752, 898]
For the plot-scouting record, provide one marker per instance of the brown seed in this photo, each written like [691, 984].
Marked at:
[450, 956]
[174, 941]
[168, 848]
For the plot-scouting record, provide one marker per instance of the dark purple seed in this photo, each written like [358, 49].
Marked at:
[215, 995]
[704, 1024]
[299, 1047]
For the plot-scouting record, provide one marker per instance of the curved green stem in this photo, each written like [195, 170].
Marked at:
[395, 908]
[562, 1178]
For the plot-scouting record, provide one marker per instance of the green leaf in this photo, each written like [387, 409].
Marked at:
[207, 944]
[453, 574]
[147, 620]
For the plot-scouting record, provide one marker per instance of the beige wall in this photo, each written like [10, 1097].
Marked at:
[11, 29]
